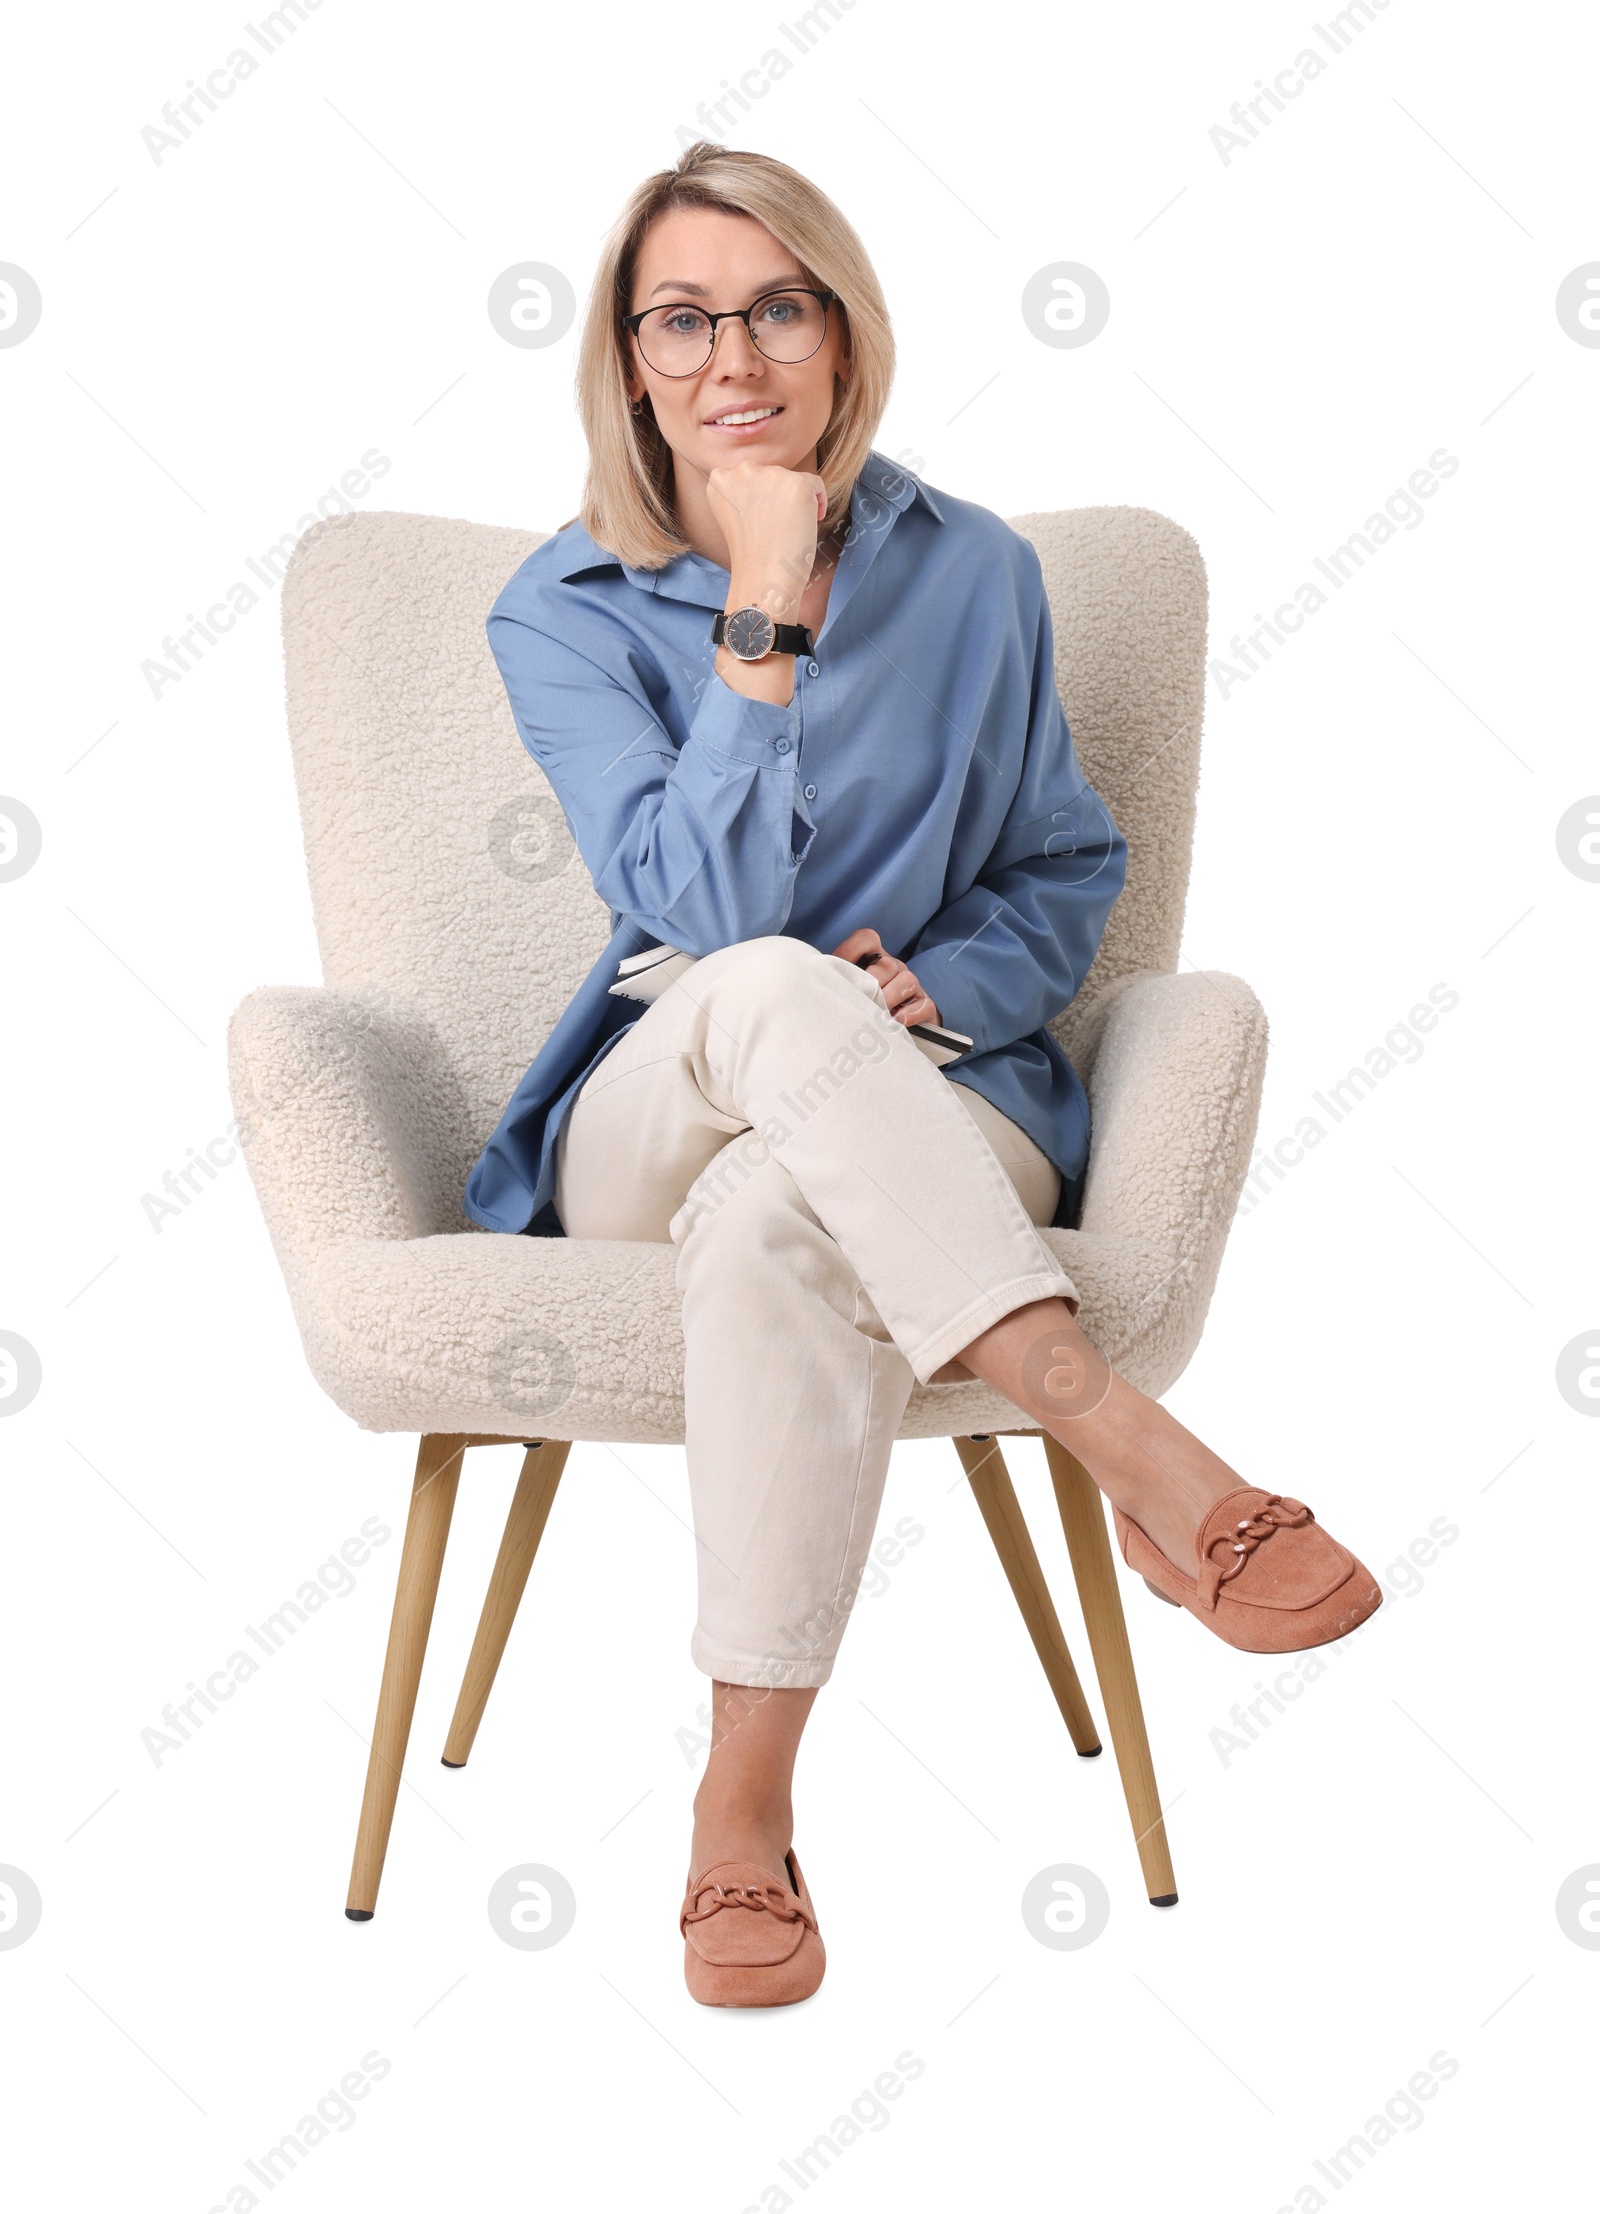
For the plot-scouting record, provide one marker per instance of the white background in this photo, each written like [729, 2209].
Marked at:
[1372, 1881]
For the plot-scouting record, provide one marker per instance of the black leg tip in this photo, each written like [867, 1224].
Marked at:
[1167, 1899]
[443, 1763]
[358, 1914]
[1091, 1752]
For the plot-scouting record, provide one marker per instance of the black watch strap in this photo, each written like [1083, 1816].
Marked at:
[786, 637]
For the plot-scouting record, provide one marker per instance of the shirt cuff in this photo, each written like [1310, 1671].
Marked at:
[949, 976]
[753, 731]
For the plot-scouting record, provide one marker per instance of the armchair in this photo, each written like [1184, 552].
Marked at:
[455, 919]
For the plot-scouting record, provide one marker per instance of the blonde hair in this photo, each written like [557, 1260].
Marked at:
[627, 494]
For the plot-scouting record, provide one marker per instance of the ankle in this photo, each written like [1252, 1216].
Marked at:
[763, 1845]
[743, 1811]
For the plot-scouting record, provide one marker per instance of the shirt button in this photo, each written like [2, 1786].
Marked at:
[812, 669]
[780, 745]
[811, 791]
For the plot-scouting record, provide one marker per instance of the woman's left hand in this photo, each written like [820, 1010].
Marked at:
[906, 999]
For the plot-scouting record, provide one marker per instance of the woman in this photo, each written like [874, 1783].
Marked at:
[801, 714]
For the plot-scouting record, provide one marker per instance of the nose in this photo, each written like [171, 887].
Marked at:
[746, 352]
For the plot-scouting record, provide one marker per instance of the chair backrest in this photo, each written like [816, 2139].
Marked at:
[440, 864]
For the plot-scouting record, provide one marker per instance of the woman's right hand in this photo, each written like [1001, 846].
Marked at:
[770, 518]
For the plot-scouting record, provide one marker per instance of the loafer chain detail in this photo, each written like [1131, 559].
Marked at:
[773, 1898]
[1275, 1513]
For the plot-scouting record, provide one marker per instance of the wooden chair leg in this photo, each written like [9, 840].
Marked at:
[433, 1498]
[984, 1463]
[1088, 1541]
[530, 1509]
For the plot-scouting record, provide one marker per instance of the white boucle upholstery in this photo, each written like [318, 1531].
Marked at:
[455, 920]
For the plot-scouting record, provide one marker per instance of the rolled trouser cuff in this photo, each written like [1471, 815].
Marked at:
[763, 1674]
[984, 1312]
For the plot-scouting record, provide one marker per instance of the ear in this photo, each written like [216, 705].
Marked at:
[632, 381]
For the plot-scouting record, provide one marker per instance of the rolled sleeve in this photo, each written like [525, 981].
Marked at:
[699, 845]
[1001, 961]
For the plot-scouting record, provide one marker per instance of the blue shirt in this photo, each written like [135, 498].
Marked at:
[922, 781]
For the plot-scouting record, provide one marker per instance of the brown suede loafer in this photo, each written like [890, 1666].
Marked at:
[1269, 1578]
[750, 1937]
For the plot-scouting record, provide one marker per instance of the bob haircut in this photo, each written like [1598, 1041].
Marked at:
[627, 494]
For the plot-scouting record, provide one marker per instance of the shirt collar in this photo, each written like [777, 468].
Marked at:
[690, 576]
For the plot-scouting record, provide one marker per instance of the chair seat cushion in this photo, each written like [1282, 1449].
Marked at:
[582, 1338]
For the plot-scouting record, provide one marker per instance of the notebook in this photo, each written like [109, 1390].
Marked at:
[645, 976]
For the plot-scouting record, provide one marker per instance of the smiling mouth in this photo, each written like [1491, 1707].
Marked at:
[736, 418]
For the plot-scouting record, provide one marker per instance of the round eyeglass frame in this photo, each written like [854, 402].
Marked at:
[631, 323]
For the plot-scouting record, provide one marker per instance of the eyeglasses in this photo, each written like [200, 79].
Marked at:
[678, 340]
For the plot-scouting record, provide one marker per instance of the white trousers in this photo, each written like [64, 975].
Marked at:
[846, 1219]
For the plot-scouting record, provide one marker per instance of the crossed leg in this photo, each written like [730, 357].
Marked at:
[769, 1116]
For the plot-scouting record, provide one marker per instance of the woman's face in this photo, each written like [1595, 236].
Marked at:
[712, 260]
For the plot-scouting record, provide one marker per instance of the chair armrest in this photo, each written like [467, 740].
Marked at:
[1175, 1093]
[349, 1118]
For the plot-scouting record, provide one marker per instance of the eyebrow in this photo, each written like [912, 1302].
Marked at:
[703, 292]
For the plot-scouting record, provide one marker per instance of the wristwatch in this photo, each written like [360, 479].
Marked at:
[750, 634]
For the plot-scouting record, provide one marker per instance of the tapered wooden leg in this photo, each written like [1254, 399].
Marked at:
[1084, 1520]
[433, 1498]
[1002, 1512]
[530, 1508]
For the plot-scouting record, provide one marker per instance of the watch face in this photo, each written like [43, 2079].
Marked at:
[748, 634]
